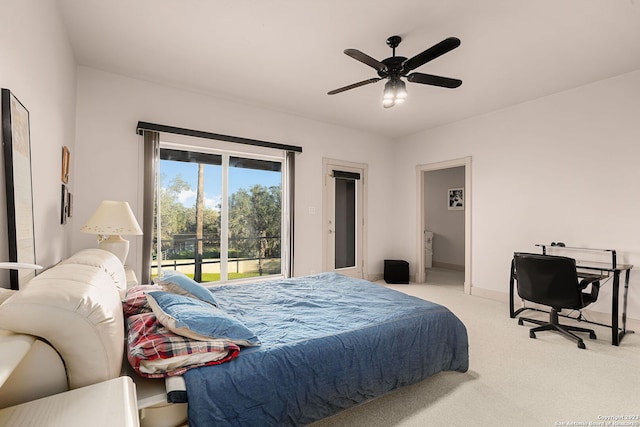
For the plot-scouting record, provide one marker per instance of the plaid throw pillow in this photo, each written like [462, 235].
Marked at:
[135, 300]
[155, 352]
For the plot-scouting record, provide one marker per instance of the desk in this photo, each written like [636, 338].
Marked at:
[586, 268]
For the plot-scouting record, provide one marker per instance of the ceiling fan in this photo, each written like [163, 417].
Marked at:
[396, 67]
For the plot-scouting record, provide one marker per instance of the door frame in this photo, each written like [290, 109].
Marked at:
[361, 245]
[421, 170]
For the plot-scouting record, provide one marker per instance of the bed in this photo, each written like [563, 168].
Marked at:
[327, 343]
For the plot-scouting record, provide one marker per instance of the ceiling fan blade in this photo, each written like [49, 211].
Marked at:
[430, 54]
[429, 79]
[366, 59]
[353, 86]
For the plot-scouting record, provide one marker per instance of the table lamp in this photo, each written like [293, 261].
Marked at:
[109, 221]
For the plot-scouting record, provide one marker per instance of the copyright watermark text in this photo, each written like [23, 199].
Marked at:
[605, 421]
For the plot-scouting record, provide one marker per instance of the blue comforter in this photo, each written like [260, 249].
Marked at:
[328, 342]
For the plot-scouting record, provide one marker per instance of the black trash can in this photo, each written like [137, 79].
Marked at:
[396, 271]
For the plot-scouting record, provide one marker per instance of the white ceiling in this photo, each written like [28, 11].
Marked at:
[287, 54]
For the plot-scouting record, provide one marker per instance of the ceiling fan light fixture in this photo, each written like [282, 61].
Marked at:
[401, 91]
[388, 96]
[388, 90]
[388, 103]
[395, 92]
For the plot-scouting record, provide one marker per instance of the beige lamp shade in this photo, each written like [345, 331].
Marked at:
[111, 220]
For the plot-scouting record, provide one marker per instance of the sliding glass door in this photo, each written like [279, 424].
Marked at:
[219, 215]
[255, 216]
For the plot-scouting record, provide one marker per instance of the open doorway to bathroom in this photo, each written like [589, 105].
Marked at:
[444, 223]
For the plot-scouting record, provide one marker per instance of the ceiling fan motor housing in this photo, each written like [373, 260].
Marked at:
[394, 66]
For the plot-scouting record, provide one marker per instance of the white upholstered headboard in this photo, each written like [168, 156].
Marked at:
[76, 307]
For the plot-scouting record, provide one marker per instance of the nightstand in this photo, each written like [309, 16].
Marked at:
[109, 403]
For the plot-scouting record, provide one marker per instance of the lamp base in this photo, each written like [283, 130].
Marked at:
[117, 246]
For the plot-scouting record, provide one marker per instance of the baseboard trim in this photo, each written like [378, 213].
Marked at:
[457, 267]
[489, 294]
[374, 277]
[595, 316]
[380, 276]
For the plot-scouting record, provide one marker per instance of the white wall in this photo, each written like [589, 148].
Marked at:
[564, 167]
[37, 65]
[447, 225]
[560, 168]
[108, 155]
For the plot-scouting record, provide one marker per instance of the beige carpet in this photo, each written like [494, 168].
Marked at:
[512, 380]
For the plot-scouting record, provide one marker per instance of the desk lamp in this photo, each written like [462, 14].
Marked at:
[109, 221]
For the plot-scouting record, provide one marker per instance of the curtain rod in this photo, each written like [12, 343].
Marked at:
[142, 126]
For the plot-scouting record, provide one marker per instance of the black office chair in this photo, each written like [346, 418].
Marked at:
[553, 281]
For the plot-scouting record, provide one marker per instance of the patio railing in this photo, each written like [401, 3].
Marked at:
[247, 256]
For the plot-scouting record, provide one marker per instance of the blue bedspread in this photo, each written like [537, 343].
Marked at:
[328, 342]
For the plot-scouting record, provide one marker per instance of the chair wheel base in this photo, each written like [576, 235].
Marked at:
[553, 325]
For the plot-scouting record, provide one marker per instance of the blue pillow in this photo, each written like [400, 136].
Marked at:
[198, 320]
[178, 283]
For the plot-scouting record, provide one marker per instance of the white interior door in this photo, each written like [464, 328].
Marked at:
[344, 193]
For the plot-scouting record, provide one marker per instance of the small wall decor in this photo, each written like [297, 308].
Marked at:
[69, 205]
[66, 158]
[66, 199]
[64, 195]
[456, 199]
[17, 166]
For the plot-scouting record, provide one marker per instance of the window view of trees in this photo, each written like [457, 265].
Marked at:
[254, 226]
[190, 236]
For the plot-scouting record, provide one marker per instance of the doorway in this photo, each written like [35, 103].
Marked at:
[344, 195]
[421, 223]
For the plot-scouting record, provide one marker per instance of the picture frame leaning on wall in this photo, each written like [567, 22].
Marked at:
[19, 189]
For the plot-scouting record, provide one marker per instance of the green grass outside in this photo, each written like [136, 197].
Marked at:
[215, 277]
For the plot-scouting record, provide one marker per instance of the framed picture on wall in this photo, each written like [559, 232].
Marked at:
[69, 205]
[66, 159]
[455, 199]
[17, 167]
[64, 204]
